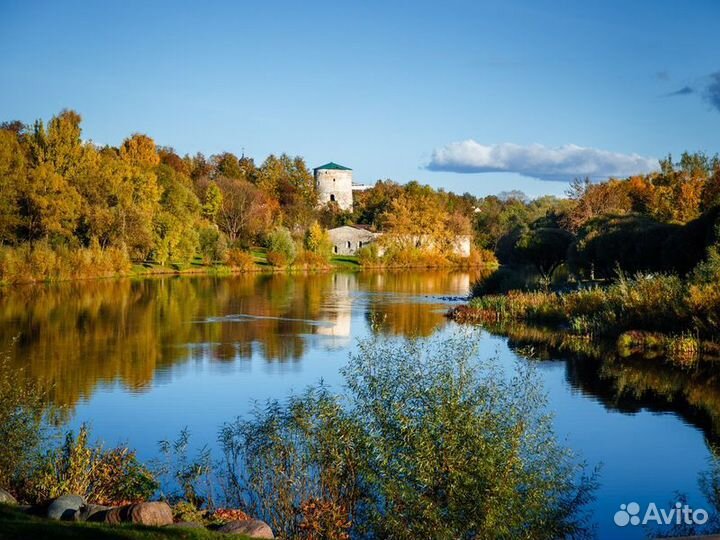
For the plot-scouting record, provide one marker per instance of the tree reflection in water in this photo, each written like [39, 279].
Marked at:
[72, 337]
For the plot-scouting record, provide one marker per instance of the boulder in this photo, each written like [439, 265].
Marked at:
[6, 497]
[154, 514]
[111, 516]
[254, 528]
[65, 507]
[92, 512]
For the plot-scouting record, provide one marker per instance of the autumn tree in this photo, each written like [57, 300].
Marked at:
[12, 175]
[290, 182]
[168, 157]
[49, 205]
[595, 200]
[370, 205]
[58, 146]
[317, 240]
[139, 150]
[246, 212]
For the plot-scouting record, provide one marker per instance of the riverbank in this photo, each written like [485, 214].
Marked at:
[42, 264]
[359, 439]
[18, 525]
[663, 304]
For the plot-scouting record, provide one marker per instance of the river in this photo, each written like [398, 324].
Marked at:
[142, 359]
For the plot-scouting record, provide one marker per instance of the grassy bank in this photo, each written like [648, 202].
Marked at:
[18, 525]
[42, 263]
[656, 303]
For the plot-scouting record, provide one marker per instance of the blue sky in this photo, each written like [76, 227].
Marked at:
[542, 89]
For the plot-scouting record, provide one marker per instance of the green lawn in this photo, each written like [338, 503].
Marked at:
[16, 525]
[345, 261]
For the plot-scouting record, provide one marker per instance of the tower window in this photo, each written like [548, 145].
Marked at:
[349, 245]
[335, 249]
[332, 196]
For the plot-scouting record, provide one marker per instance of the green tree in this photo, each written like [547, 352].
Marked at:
[280, 241]
[213, 246]
[176, 222]
[212, 202]
[544, 247]
[227, 165]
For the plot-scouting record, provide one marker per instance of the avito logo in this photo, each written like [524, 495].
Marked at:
[680, 514]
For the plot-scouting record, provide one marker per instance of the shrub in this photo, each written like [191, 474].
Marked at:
[317, 241]
[369, 255]
[213, 247]
[21, 424]
[482, 257]
[309, 259]
[280, 241]
[287, 456]
[100, 476]
[428, 442]
[185, 478]
[410, 257]
[41, 262]
[277, 259]
[240, 259]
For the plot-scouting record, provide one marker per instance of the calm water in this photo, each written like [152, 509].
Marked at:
[140, 360]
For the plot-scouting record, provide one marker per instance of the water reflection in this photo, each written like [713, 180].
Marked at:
[631, 383]
[73, 337]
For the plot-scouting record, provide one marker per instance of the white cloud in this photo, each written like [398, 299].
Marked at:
[537, 161]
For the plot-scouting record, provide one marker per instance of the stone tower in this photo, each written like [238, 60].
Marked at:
[334, 183]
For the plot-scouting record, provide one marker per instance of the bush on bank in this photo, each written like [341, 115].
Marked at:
[43, 262]
[425, 443]
[406, 257]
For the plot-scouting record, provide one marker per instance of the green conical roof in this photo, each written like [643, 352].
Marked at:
[333, 166]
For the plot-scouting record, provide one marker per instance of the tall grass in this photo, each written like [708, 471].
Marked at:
[43, 262]
[410, 257]
[658, 303]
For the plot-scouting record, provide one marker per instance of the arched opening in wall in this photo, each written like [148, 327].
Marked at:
[335, 249]
[332, 196]
[349, 245]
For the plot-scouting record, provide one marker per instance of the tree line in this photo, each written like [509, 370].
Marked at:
[148, 202]
[145, 202]
[664, 221]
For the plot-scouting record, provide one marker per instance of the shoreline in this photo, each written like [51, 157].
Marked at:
[139, 271]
